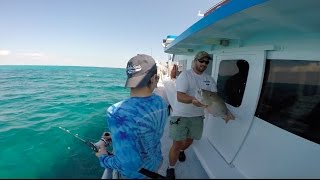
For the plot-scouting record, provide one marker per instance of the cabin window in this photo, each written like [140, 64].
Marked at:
[232, 80]
[290, 97]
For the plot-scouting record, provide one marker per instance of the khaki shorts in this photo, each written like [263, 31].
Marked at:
[182, 128]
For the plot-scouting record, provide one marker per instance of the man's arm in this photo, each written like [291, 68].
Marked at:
[185, 98]
[127, 156]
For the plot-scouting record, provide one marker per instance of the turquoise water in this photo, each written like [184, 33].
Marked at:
[36, 100]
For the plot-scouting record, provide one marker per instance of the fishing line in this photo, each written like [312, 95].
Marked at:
[75, 157]
[88, 143]
[143, 171]
[91, 145]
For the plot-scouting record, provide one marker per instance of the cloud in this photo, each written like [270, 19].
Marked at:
[33, 54]
[4, 52]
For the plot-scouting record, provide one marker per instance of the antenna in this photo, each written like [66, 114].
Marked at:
[200, 14]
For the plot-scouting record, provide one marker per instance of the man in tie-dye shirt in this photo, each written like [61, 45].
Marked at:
[136, 124]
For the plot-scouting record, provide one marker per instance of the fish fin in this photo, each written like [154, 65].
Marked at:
[230, 115]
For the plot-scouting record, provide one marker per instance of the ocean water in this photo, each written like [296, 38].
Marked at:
[36, 100]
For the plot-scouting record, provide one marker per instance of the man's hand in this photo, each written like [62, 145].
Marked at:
[101, 152]
[102, 143]
[106, 138]
[197, 103]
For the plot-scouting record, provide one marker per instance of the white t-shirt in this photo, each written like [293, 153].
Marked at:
[188, 82]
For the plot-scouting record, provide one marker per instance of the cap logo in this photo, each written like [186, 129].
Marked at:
[133, 69]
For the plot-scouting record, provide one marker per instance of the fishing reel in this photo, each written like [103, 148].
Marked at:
[102, 142]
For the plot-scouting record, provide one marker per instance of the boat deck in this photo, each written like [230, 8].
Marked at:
[190, 169]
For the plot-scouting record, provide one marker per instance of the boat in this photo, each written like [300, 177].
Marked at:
[276, 132]
[168, 40]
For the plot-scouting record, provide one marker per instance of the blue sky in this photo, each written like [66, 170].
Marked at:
[104, 33]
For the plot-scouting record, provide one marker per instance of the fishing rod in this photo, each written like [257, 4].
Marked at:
[143, 171]
[88, 143]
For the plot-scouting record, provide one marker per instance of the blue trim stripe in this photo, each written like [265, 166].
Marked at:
[171, 36]
[226, 10]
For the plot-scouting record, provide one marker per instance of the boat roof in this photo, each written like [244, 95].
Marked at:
[242, 19]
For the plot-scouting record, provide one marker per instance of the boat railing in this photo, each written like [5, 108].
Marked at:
[219, 4]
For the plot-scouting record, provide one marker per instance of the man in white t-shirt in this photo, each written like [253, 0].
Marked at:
[186, 123]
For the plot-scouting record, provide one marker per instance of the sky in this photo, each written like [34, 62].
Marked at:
[101, 33]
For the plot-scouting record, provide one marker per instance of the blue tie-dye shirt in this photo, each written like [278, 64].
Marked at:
[136, 125]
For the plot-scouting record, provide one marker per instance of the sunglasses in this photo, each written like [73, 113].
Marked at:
[202, 61]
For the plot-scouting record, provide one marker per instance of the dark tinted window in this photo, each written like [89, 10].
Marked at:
[232, 81]
[290, 97]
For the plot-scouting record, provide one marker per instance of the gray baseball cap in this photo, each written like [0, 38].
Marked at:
[140, 69]
[201, 55]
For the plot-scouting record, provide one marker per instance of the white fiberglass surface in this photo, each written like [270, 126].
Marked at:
[228, 138]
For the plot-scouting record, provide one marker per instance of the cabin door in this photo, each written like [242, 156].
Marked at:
[241, 92]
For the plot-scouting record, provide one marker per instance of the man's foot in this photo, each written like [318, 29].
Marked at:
[170, 173]
[182, 156]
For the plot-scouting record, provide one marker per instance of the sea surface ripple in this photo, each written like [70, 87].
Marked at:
[36, 100]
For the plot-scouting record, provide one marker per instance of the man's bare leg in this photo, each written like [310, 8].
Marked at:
[174, 152]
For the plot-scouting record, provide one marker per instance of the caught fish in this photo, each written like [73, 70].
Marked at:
[215, 104]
